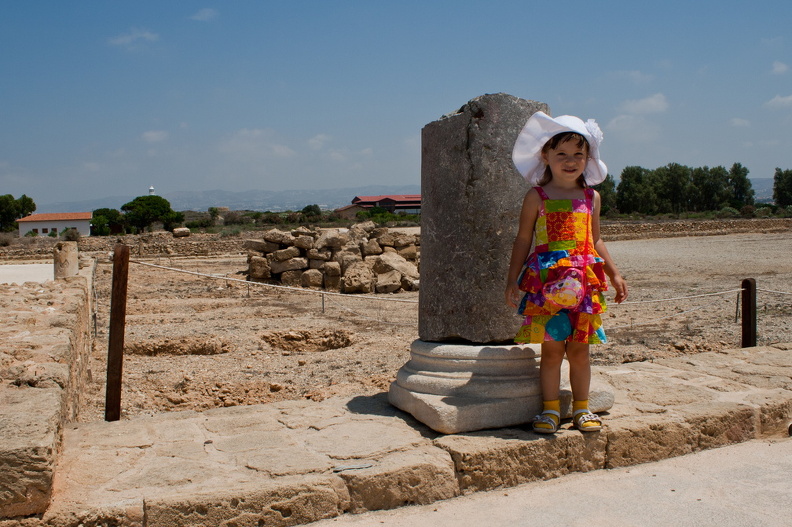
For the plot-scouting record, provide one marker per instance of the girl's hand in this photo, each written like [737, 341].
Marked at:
[620, 285]
[513, 294]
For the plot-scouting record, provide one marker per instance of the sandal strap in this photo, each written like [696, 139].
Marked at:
[584, 416]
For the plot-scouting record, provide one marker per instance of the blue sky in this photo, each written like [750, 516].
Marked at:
[104, 98]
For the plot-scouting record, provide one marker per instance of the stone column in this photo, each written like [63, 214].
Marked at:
[66, 261]
[465, 373]
[471, 196]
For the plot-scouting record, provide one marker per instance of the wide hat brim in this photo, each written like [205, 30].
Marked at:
[540, 128]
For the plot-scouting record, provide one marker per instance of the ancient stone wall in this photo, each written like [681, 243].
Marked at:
[47, 340]
[362, 259]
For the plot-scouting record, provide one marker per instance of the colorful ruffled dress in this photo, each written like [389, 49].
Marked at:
[563, 239]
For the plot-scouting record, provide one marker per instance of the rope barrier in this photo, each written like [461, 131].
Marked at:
[367, 297]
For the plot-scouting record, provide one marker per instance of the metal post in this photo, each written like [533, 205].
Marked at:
[115, 346]
[748, 313]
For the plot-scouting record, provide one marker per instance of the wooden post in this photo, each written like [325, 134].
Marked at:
[115, 346]
[748, 313]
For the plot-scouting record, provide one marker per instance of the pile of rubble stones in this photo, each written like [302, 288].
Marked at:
[362, 259]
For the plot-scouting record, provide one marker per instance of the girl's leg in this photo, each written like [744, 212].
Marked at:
[550, 369]
[550, 377]
[580, 380]
[579, 369]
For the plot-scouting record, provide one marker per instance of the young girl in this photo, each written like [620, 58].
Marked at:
[564, 277]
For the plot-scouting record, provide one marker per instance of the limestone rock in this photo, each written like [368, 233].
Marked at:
[471, 198]
[358, 278]
[408, 252]
[292, 278]
[289, 265]
[259, 268]
[304, 242]
[284, 254]
[278, 236]
[260, 246]
[370, 248]
[312, 278]
[391, 261]
[347, 256]
[319, 254]
[332, 238]
[181, 232]
[388, 282]
[332, 268]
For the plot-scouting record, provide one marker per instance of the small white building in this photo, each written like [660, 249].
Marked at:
[46, 224]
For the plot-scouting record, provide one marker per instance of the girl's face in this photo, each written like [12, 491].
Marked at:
[567, 160]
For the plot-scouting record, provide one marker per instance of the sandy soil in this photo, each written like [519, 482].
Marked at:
[196, 343]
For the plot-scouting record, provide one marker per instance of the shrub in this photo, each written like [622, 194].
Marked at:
[6, 238]
[748, 211]
[31, 234]
[71, 234]
[728, 212]
[764, 212]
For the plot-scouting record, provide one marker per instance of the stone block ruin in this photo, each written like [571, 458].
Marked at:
[361, 259]
[464, 373]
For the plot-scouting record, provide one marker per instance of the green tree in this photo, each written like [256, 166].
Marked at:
[782, 187]
[143, 211]
[672, 188]
[12, 209]
[312, 211]
[107, 221]
[742, 192]
[607, 192]
[634, 193]
[710, 189]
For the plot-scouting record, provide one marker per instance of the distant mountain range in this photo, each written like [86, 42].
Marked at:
[271, 200]
[258, 200]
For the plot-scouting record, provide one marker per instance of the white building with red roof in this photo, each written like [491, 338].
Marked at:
[57, 222]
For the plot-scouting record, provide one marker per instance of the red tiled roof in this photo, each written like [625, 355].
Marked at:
[394, 197]
[58, 216]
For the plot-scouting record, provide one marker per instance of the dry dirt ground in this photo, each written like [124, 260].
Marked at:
[195, 342]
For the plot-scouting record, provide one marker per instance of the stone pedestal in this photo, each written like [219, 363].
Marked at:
[66, 259]
[455, 388]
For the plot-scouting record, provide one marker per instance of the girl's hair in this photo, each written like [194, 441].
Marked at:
[553, 143]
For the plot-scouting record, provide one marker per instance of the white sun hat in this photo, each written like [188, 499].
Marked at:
[540, 128]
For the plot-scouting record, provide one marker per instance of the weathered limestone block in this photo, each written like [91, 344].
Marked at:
[284, 254]
[389, 282]
[370, 248]
[259, 268]
[347, 256]
[331, 268]
[292, 278]
[66, 260]
[332, 283]
[358, 278]
[289, 265]
[181, 232]
[304, 242]
[332, 238]
[392, 261]
[410, 284]
[260, 246]
[319, 254]
[312, 278]
[409, 252]
[471, 198]
[279, 237]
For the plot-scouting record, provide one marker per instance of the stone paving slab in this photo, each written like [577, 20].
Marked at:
[295, 462]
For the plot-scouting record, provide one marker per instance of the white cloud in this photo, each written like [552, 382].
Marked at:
[154, 136]
[740, 123]
[318, 141]
[633, 129]
[779, 68]
[656, 103]
[135, 35]
[255, 143]
[204, 15]
[780, 102]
